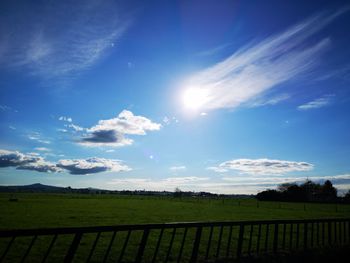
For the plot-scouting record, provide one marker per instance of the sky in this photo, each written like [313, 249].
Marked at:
[230, 97]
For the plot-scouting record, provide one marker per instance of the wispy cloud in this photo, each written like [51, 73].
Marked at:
[269, 101]
[177, 168]
[168, 184]
[316, 103]
[42, 149]
[112, 132]
[262, 166]
[58, 39]
[36, 136]
[64, 118]
[7, 108]
[256, 68]
[225, 185]
[214, 50]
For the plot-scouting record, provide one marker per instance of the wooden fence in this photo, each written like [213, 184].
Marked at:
[171, 242]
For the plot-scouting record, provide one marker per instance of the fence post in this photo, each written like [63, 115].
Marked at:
[142, 245]
[305, 235]
[240, 241]
[196, 245]
[329, 233]
[73, 248]
[275, 238]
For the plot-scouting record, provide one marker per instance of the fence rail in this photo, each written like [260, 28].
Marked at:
[170, 242]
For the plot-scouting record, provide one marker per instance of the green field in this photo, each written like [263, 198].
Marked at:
[52, 210]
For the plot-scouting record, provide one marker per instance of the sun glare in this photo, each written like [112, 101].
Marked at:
[194, 98]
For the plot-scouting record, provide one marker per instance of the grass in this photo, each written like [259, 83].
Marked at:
[52, 210]
[63, 210]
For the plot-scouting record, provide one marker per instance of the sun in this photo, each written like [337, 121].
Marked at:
[194, 98]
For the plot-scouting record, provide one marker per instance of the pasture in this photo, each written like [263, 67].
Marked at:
[68, 210]
[74, 210]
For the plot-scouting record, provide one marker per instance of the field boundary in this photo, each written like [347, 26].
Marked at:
[207, 240]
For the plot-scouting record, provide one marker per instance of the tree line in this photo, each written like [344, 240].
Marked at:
[308, 191]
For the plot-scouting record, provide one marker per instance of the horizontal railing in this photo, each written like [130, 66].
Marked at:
[170, 242]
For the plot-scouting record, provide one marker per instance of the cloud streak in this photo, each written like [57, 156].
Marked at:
[252, 71]
[178, 168]
[262, 166]
[56, 38]
[316, 103]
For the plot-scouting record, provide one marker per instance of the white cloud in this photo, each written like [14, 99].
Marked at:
[42, 149]
[41, 166]
[316, 103]
[34, 162]
[166, 120]
[29, 161]
[112, 132]
[5, 108]
[259, 180]
[36, 136]
[92, 165]
[250, 72]
[217, 169]
[60, 38]
[271, 101]
[262, 166]
[213, 50]
[178, 168]
[64, 118]
[225, 185]
[75, 127]
[168, 184]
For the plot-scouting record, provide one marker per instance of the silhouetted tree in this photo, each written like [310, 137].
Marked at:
[328, 192]
[346, 197]
[269, 195]
[178, 192]
[306, 192]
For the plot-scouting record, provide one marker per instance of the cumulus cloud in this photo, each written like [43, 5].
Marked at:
[40, 166]
[250, 72]
[316, 103]
[26, 161]
[262, 166]
[112, 132]
[92, 165]
[60, 38]
[15, 158]
[34, 162]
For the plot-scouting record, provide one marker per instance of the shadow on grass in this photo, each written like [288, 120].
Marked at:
[325, 255]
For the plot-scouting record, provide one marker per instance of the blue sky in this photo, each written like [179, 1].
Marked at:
[219, 96]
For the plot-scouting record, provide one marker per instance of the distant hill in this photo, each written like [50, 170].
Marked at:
[37, 188]
[41, 188]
